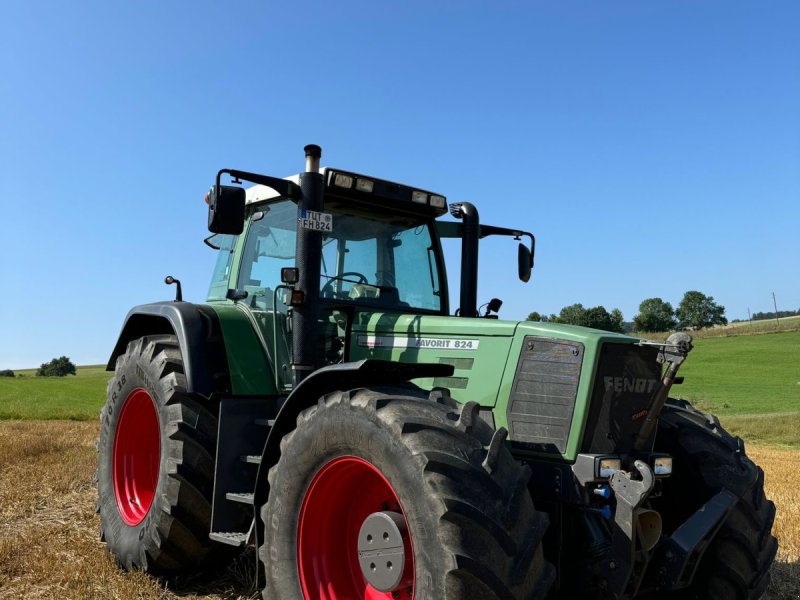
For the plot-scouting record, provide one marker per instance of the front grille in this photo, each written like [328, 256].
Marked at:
[627, 377]
[543, 395]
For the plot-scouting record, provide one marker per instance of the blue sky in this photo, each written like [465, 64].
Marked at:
[652, 147]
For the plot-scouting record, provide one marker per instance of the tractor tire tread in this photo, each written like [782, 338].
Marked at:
[736, 564]
[173, 537]
[487, 524]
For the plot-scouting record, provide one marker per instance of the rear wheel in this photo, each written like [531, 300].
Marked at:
[707, 459]
[386, 494]
[155, 463]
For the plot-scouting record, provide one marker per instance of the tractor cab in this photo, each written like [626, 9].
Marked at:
[308, 265]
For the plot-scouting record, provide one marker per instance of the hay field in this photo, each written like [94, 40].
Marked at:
[49, 546]
[48, 529]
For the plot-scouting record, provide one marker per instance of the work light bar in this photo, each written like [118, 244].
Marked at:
[377, 192]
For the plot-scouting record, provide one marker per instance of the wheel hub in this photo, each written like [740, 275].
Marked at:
[347, 501]
[136, 457]
[381, 554]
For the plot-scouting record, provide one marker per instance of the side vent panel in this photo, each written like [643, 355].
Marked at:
[543, 394]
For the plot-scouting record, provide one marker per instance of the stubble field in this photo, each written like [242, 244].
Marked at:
[49, 546]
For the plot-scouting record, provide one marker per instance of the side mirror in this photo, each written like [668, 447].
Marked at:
[226, 209]
[525, 263]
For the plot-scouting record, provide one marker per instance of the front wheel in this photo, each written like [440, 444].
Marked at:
[387, 493]
[735, 566]
[155, 463]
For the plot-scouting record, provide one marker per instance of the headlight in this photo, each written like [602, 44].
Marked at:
[419, 197]
[364, 185]
[606, 467]
[437, 201]
[342, 180]
[662, 465]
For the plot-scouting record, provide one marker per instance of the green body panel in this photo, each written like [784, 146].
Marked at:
[434, 339]
[250, 369]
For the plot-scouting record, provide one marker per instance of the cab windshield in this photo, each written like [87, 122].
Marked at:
[384, 263]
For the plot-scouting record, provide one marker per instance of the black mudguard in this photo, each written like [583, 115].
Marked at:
[198, 331]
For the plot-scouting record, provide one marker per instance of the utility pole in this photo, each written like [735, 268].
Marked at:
[749, 317]
[775, 304]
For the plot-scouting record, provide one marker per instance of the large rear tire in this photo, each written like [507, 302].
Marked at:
[471, 528]
[707, 459]
[155, 463]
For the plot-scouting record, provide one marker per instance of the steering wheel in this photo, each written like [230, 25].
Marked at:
[327, 289]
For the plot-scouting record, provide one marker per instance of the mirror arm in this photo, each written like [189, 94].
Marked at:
[282, 186]
[487, 230]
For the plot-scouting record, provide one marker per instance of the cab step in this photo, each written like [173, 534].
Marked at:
[239, 497]
[231, 538]
[244, 424]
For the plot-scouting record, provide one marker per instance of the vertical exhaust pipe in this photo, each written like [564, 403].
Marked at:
[470, 238]
[313, 154]
[308, 256]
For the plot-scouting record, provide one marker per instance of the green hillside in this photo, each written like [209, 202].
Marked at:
[751, 382]
[76, 397]
[748, 374]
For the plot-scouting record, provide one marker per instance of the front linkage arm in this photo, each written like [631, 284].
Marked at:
[673, 353]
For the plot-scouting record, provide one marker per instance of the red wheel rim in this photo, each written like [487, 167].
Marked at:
[342, 494]
[137, 452]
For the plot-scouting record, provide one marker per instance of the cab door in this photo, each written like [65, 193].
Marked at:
[269, 246]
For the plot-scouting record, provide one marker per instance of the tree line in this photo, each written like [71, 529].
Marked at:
[58, 367]
[764, 316]
[695, 311]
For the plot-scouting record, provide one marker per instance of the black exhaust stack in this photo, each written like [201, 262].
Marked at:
[470, 238]
[309, 253]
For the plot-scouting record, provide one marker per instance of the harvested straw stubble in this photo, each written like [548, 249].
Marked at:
[49, 544]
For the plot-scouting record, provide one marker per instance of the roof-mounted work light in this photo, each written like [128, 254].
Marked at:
[358, 189]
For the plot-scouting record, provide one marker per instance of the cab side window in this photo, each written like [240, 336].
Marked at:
[225, 245]
[270, 246]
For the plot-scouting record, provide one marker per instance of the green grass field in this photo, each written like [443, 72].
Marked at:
[748, 374]
[751, 382]
[77, 397]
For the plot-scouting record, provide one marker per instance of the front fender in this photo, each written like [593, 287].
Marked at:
[197, 328]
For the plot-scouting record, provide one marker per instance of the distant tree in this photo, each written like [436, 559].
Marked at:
[535, 316]
[654, 315]
[698, 310]
[617, 321]
[597, 317]
[58, 367]
[7, 373]
[574, 314]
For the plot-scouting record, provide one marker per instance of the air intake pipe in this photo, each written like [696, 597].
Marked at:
[470, 237]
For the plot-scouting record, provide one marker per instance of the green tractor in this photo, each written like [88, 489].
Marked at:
[325, 406]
